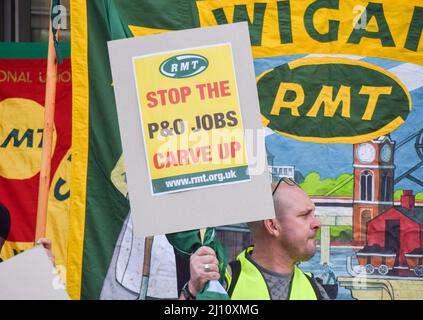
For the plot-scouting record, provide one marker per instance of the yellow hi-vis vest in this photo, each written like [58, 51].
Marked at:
[249, 283]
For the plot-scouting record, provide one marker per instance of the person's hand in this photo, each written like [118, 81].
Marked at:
[46, 243]
[204, 266]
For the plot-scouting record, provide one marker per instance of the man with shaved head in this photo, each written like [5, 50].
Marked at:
[268, 270]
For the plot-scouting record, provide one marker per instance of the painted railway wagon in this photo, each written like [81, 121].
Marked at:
[380, 262]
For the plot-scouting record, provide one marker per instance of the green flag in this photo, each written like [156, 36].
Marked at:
[186, 243]
[99, 204]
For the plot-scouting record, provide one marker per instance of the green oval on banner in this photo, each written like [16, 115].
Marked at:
[332, 100]
[184, 66]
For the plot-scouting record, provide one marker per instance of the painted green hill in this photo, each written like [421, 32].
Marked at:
[398, 194]
[342, 186]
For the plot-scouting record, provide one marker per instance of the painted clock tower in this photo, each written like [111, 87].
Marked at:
[373, 183]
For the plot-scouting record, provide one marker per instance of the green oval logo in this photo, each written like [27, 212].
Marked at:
[184, 66]
[332, 100]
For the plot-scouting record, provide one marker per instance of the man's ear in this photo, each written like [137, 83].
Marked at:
[272, 227]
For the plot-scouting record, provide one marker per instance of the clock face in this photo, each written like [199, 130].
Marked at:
[385, 153]
[366, 152]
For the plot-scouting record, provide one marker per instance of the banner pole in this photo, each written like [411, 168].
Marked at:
[148, 247]
[50, 102]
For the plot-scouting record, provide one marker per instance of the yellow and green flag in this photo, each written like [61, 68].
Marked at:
[99, 203]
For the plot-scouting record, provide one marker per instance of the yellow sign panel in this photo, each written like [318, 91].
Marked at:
[191, 118]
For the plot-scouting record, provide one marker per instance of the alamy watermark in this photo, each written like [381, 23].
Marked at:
[360, 17]
[59, 21]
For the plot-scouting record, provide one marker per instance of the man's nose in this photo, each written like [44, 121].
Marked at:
[315, 224]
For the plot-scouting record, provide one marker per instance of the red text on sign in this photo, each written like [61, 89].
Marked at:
[167, 96]
[182, 157]
[213, 90]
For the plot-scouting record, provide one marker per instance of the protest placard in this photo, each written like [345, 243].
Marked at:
[30, 276]
[190, 121]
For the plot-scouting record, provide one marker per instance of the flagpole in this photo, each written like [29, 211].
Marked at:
[148, 246]
[50, 102]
